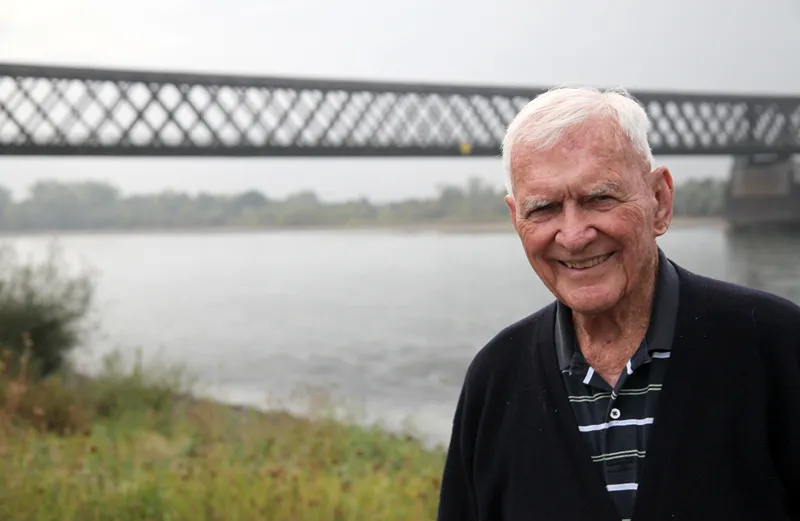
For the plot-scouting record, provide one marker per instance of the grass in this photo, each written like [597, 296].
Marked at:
[133, 445]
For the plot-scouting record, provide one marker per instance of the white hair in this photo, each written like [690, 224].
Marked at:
[544, 120]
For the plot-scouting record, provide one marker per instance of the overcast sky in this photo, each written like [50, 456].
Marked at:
[716, 45]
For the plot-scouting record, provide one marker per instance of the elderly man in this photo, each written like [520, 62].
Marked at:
[644, 391]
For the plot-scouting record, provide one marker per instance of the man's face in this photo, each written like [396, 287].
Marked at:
[588, 213]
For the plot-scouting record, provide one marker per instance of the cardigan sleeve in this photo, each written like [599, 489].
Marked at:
[457, 496]
[470, 477]
[783, 378]
[787, 426]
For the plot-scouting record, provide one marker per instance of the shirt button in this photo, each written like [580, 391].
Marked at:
[615, 414]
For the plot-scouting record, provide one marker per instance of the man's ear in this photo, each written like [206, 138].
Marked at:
[664, 191]
[512, 208]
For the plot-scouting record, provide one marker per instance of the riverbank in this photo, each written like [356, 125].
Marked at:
[432, 227]
[131, 446]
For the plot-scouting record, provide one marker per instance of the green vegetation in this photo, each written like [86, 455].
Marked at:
[132, 443]
[700, 198]
[41, 305]
[97, 206]
[128, 448]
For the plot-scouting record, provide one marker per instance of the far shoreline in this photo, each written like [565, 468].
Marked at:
[434, 227]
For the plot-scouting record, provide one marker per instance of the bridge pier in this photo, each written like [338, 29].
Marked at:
[764, 191]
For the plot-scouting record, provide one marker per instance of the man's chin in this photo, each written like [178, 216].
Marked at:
[590, 303]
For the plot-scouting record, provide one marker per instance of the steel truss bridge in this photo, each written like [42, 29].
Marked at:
[64, 111]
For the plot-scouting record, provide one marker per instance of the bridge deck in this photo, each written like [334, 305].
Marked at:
[67, 111]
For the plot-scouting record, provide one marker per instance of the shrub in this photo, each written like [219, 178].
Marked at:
[47, 405]
[64, 403]
[121, 388]
[44, 303]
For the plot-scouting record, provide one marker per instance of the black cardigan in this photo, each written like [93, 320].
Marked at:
[725, 444]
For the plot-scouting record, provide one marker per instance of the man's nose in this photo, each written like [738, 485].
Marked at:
[575, 232]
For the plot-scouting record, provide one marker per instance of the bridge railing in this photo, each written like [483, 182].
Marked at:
[70, 111]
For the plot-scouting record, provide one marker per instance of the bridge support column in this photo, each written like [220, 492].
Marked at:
[764, 191]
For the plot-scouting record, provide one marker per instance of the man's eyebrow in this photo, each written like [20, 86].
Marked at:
[534, 202]
[604, 188]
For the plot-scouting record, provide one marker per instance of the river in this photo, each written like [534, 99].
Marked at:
[385, 322]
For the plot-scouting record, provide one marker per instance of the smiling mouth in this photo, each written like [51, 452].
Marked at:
[588, 263]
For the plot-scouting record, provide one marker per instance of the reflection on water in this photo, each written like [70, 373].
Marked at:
[767, 260]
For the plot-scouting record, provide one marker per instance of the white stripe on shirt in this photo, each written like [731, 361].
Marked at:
[622, 486]
[589, 374]
[614, 423]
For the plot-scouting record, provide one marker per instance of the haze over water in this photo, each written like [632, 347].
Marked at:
[386, 321]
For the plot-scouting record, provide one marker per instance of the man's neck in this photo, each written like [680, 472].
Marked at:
[608, 340]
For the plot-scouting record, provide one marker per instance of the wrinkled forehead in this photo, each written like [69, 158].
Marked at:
[602, 141]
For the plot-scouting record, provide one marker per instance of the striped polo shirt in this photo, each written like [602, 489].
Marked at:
[616, 422]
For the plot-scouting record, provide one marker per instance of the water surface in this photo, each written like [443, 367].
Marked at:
[386, 321]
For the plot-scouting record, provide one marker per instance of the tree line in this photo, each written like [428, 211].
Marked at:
[92, 205]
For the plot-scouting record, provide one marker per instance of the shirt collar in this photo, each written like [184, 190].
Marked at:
[662, 320]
